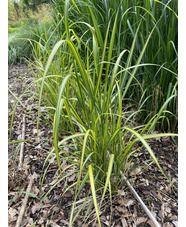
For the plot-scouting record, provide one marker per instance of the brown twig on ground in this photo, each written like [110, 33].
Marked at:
[140, 201]
[16, 98]
[20, 217]
[22, 144]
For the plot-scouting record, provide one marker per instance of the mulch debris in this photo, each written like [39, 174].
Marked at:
[156, 192]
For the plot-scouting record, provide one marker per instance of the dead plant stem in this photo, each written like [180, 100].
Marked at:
[21, 213]
[22, 144]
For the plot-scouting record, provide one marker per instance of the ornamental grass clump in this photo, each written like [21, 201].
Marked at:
[158, 80]
[85, 95]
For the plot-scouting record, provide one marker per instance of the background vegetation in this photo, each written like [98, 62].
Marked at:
[158, 80]
[26, 27]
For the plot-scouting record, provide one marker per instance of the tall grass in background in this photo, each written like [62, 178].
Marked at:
[159, 80]
[23, 39]
[27, 29]
[86, 82]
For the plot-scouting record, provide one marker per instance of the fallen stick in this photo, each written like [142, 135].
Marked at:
[16, 98]
[22, 144]
[21, 213]
[141, 202]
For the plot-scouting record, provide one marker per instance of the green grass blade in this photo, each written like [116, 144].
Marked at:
[73, 206]
[130, 57]
[94, 192]
[83, 152]
[59, 106]
[19, 141]
[58, 44]
[103, 57]
[159, 113]
[138, 62]
[108, 176]
[66, 18]
[148, 149]
[152, 136]
[96, 26]
[167, 7]
[81, 68]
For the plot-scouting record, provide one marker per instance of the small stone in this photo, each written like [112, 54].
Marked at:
[19, 137]
[168, 224]
[103, 218]
[175, 223]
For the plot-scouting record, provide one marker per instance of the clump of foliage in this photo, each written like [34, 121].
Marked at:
[21, 41]
[86, 82]
[33, 4]
[158, 79]
[26, 28]
[103, 67]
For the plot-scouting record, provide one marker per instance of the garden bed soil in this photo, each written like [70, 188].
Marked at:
[156, 192]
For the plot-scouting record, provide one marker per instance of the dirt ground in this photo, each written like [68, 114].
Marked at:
[156, 192]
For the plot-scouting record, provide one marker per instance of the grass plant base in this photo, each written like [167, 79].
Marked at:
[150, 184]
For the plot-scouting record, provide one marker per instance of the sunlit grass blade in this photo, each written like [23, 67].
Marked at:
[103, 57]
[44, 75]
[108, 177]
[167, 7]
[137, 63]
[96, 26]
[129, 59]
[81, 68]
[66, 8]
[94, 192]
[57, 115]
[149, 150]
[152, 136]
[19, 141]
[109, 57]
[159, 113]
[71, 221]
[83, 152]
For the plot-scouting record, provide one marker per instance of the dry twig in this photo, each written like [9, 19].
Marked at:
[16, 98]
[22, 144]
[140, 201]
[20, 217]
